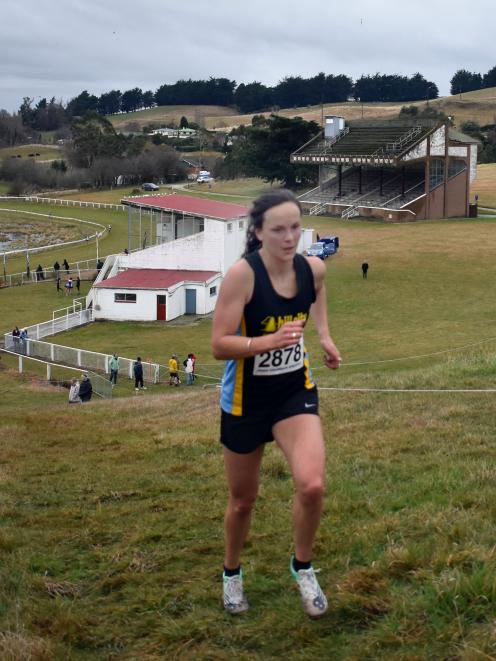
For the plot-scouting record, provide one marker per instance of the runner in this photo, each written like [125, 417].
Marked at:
[268, 391]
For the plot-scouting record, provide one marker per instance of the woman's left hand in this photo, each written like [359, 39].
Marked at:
[332, 357]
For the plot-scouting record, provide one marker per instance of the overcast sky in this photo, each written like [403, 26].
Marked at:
[62, 47]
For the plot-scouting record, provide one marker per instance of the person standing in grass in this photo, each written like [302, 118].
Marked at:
[74, 397]
[114, 369]
[138, 375]
[173, 371]
[268, 392]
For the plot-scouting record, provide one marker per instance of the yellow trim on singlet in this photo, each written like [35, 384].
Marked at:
[309, 384]
[237, 401]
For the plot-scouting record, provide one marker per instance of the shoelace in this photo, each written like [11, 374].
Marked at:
[234, 589]
[310, 582]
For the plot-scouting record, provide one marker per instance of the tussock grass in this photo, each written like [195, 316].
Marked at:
[119, 510]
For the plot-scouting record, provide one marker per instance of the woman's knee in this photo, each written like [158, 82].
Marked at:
[242, 504]
[311, 492]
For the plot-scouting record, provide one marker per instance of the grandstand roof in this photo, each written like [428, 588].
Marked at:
[153, 278]
[365, 142]
[195, 206]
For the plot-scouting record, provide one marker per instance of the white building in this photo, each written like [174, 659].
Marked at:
[197, 240]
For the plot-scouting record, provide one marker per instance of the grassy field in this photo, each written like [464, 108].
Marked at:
[166, 115]
[33, 152]
[484, 185]
[477, 106]
[111, 536]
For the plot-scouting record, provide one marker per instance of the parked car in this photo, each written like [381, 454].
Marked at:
[331, 244]
[150, 187]
[317, 250]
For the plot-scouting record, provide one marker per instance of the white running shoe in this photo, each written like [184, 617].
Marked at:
[314, 600]
[235, 601]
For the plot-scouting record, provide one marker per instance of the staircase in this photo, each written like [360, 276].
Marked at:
[317, 209]
[350, 212]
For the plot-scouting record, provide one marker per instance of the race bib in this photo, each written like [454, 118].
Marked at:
[279, 361]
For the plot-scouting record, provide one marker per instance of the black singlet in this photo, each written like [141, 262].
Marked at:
[253, 385]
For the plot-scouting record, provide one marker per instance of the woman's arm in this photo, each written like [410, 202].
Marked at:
[235, 292]
[318, 312]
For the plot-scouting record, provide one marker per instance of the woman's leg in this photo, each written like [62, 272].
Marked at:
[242, 472]
[302, 442]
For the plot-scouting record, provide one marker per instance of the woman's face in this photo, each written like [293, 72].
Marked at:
[281, 230]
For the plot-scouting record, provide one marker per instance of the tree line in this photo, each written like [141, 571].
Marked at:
[292, 91]
[469, 81]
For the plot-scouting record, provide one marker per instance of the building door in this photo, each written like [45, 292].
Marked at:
[190, 301]
[161, 307]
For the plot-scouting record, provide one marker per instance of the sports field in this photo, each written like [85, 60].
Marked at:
[111, 536]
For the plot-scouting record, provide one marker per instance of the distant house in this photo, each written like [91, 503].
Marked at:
[169, 132]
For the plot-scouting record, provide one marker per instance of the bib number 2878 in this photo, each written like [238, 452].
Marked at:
[279, 361]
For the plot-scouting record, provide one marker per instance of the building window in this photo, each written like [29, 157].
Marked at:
[212, 291]
[229, 227]
[241, 224]
[124, 298]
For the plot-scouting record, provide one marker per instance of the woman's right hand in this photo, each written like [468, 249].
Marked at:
[290, 333]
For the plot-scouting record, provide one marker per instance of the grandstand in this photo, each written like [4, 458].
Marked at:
[399, 170]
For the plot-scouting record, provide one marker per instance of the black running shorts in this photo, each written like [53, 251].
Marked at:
[243, 434]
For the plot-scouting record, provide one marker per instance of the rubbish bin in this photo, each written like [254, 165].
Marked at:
[472, 210]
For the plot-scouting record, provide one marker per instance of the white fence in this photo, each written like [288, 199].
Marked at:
[80, 358]
[65, 203]
[61, 374]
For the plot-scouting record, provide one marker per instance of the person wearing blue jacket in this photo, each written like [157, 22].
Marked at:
[138, 375]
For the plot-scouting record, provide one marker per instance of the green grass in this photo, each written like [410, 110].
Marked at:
[111, 536]
[45, 152]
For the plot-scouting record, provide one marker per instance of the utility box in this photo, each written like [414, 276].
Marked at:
[333, 126]
[473, 210]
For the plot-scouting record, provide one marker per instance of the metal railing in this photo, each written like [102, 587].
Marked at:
[101, 385]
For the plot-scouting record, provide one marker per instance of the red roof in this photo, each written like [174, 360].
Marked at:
[185, 203]
[153, 278]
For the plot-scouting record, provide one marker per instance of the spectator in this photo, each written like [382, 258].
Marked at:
[23, 338]
[58, 283]
[16, 335]
[189, 371]
[65, 264]
[85, 388]
[78, 284]
[39, 273]
[114, 369]
[365, 269]
[56, 270]
[138, 375]
[99, 265]
[193, 358]
[126, 251]
[68, 287]
[173, 371]
[74, 397]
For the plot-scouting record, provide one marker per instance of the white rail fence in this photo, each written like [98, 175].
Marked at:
[64, 202]
[61, 374]
[83, 359]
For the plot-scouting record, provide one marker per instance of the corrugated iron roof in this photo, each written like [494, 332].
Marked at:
[187, 204]
[153, 278]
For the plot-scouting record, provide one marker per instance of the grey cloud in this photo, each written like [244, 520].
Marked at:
[58, 48]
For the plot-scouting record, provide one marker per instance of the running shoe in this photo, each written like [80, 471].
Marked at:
[235, 601]
[314, 600]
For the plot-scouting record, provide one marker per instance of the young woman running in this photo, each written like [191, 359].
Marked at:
[268, 392]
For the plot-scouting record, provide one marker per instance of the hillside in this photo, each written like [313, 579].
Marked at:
[479, 106]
